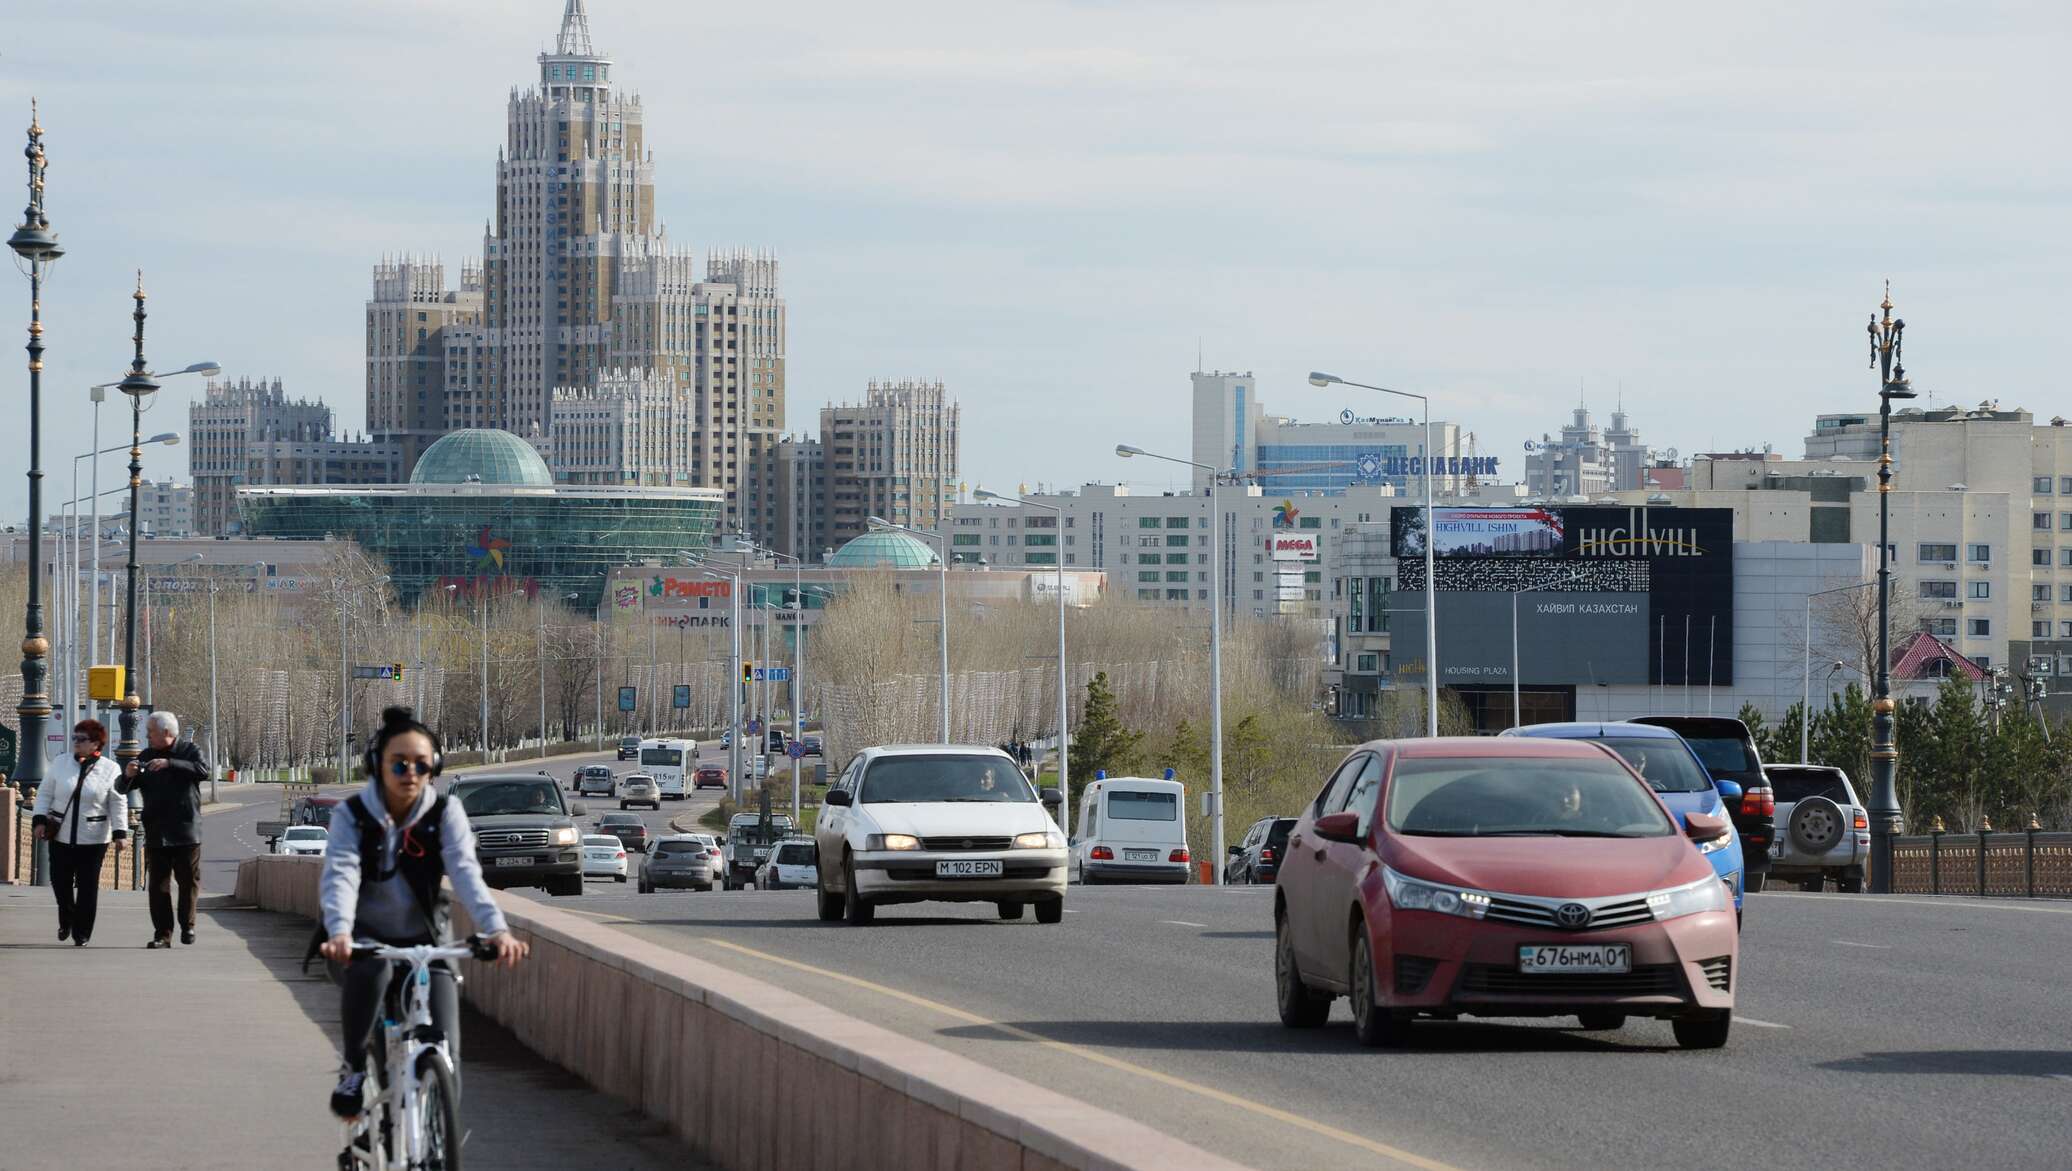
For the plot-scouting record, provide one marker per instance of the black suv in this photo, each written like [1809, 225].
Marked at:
[1729, 754]
[525, 834]
[1257, 859]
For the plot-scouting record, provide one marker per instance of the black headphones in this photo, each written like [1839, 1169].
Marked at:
[395, 721]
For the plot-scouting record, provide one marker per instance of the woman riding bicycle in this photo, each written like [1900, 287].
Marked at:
[390, 845]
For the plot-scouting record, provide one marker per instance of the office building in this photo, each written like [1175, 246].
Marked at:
[801, 479]
[250, 432]
[407, 321]
[1350, 448]
[1586, 461]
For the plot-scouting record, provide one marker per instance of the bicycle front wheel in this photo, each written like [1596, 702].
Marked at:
[438, 1114]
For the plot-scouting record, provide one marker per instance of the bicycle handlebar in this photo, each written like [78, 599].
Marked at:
[473, 945]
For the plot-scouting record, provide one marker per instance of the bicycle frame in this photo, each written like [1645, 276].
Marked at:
[403, 1043]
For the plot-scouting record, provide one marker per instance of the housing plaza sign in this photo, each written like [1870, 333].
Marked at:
[1602, 594]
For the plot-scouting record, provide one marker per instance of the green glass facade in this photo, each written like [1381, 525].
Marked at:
[493, 538]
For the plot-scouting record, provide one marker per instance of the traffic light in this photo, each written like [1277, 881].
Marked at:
[398, 669]
[747, 672]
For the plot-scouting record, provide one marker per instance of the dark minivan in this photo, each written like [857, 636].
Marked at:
[1729, 754]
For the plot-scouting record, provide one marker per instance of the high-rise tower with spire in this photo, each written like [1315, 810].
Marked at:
[579, 284]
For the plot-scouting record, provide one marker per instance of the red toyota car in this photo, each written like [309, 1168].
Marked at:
[1501, 878]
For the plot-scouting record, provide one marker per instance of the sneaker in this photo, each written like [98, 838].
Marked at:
[346, 1097]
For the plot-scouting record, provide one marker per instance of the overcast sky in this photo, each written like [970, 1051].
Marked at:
[1053, 207]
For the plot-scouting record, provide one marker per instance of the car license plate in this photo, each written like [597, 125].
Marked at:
[1140, 855]
[970, 868]
[525, 861]
[1559, 959]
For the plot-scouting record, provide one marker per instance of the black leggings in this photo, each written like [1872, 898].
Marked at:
[75, 879]
[366, 982]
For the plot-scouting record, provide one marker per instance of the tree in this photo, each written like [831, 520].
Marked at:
[1100, 741]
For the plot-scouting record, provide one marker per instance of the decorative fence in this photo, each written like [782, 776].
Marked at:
[2028, 863]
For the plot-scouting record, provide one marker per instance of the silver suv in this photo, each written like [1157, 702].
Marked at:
[1823, 831]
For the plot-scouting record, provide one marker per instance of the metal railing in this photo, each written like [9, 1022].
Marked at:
[124, 860]
[2024, 863]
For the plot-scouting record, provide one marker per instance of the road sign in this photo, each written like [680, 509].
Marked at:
[680, 696]
[773, 674]
[272, 829]
[796, 750]
[626, 697]
[379, 671]
[755, 727]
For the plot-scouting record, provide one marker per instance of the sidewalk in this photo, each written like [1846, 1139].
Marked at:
[221, 1055]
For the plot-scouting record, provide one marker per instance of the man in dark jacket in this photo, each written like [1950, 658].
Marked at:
[169, 775]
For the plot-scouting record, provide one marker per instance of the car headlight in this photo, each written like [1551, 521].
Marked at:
[1048, 839]
[1706, 894]
[566, 836]
[1715, 845]
[1409, 894]
[892, 842]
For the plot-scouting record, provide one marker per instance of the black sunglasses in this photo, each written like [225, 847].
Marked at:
[85, 737]
[404, 768]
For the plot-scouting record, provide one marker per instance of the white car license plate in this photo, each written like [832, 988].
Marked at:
[1140, 855]
[525, 861]
[970, 868]
[1561, 959]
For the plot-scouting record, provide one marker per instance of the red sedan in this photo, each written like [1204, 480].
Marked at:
[709, 776]
[1501, 878]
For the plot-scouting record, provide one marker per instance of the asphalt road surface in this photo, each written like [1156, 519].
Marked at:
[1900, 1031]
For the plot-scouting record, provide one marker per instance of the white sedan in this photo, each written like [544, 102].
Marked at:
[938, 823]
[790, 867]
[307, 840]
[604, 856]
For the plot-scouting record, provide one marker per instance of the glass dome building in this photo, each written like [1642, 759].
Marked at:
[482, 512]
[884, 550]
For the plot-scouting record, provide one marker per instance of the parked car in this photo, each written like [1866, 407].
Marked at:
[629, 747]
[308, 840]
[1729, 754]
[1673, 771]
[626, 828]
[726, 738]
[1130, 830]
[596, 780]
[681, 860]
[603, 857]
[1501, 877]
[1257, 859]
[709, 776]
[639, 789]
[525, 834]
[1827, 830]
[809, 743]
[790, 867]
[940, 822]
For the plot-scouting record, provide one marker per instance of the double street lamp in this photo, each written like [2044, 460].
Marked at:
[1887, 338]
[942, 594]
[1215, 641]
[1064, 692]
[1431, 538]
[35, 248]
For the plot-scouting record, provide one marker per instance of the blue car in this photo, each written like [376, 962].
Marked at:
[1677, 775]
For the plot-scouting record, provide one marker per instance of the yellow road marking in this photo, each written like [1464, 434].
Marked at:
[1210, 1092]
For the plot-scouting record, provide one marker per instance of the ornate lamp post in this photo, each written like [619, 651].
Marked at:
[138, 385]
[1886, 337]
[35, 248]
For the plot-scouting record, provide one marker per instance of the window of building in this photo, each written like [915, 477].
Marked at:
[1978, 554]
[2065, 557]
[1176, 522]
[1938, 589]
[2039, 520]
[2039, 557]
[1147, 575]
[1152, 522]
[2065, 594]
[1258, 594]
[2065, 521]
[1978, 628]
[1937, 552]
[2065, 485]
[1147, 595]
[1040, 539]
[1176, 595]
[1176, 575]
[2065, 630]
[2040, 629]
[2040, 486]
[1980, 590]
[2039, 593]
[1176, 540]
[1941, 627]
[1367, 661]
[1041, 558]
[1310, 522]
[1258, 577]
[1312, 577]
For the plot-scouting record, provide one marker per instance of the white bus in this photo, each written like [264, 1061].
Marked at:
[670, 762]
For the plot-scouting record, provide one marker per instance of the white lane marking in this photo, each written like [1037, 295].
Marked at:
[1182, 923]
[1966, 902]
[1749, 1020]
[1853, 943]
[1072, 910]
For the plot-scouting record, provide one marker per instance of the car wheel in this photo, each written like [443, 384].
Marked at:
[1850, 881]
[855, 908]
[1009, 909]
[1051, 911]
[1813, 885]
[1596, 1022]
[1703, 1032]
[622, 807]
[1753, 881]
[561, 885]
[1300, 1007]
[621, 878]
[1373, 1025]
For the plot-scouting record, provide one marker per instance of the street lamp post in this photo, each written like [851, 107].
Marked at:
[1806, 681]
[345, 680]
[1887, 339]
[733, 577]
[1064, 691]
[539, 654]
[798, 666]
[1215, 642]
[1431, 537]
[942, 591]
[138, 385]
[68, 626]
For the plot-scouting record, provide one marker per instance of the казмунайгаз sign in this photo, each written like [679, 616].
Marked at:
[1605, 594]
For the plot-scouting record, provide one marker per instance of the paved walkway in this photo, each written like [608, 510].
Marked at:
[221, 1055]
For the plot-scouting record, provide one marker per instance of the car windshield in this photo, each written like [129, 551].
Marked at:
[796, 854]
[905, 779]
[1132, 805]
[317, 814]
[618, 819]
[499, 797]
[1520, 796]
[1794, 784]
[1726, 756]
[1662, 761]
[677, 850]
[306, 833]
[655, 756]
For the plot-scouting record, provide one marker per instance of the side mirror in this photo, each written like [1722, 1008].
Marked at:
[1728, 790]
[1338, 827]
[1703, 827]
[719, 839]
[836, 797]
[1236, 850]
[1052, 797]
[579, 810]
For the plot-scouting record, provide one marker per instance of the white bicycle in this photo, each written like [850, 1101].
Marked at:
[412, 1122]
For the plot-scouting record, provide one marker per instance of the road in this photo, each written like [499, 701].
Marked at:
[1903, 1030]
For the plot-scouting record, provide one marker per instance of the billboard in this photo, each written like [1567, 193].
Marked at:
[1605, 594]
[1293, 546]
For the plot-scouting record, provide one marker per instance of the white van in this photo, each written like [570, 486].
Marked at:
[670, 762]
[1130, 829]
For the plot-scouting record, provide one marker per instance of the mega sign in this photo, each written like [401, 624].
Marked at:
[1293, 546]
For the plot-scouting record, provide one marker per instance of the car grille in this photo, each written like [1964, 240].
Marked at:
[1412, 973]
[1719, 972]
[1495, 980]
[927, 873]
[961, 843]
[1532, 914]
[511, 838]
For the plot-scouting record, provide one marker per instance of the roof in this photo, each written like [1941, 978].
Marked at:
[1495, 747]
[1592, 730]
[484, 456]
[1917, 653]
[884, 550]
[934, 750]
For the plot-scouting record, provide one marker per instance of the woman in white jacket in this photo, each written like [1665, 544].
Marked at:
[79, 811]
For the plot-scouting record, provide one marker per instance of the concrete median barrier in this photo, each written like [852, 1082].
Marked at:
[726, 1060]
